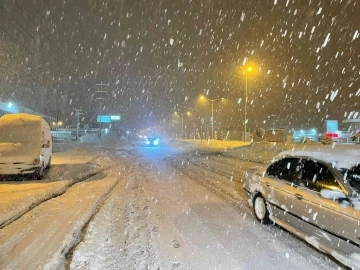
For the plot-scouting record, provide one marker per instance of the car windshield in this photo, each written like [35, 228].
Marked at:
[352, 177]
[19, 133]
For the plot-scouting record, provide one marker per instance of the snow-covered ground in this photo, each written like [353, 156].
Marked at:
[179, 214]
[256, 152]
[68, 167]
[167, 207]
[43, 236]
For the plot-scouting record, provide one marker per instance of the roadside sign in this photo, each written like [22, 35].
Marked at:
[332, 126]
[104, 119]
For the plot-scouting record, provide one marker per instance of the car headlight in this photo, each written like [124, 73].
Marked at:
[156, 142]
[147, 142]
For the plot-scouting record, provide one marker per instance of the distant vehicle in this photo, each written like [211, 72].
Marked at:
[25, 145]
[151, 141]
[356, 138]
[313, 193]
[325, 140]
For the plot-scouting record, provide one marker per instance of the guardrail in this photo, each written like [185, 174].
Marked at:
[61, 135]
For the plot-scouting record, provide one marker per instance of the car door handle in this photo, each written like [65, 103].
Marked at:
[267, 184]
[298, 196]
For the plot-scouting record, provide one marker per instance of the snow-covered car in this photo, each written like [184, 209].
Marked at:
[25, 145]
[314, 193]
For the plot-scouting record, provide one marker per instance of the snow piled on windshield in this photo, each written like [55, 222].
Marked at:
[15, 128]
[339, 156]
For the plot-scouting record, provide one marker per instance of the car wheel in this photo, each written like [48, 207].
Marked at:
[260, 209]
[49, 164]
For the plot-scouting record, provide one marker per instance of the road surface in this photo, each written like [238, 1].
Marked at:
[154, 208]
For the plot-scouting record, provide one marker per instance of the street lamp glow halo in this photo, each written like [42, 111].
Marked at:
[203, 97]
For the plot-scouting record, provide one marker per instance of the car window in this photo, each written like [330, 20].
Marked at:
[317, 176]
[286, 169]
[352, 176]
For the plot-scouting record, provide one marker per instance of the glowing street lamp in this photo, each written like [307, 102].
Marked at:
[182, 120]
[189, 113]
[248, 70]
[182, 123]
[56, 125]
[202, 97]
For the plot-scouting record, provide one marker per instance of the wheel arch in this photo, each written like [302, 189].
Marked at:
[255, 194]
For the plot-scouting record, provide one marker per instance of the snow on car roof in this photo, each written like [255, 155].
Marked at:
[339, 156]
[18, 119]
[20, 128]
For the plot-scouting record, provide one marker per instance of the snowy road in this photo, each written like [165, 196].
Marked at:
[156, 208]
[185, 211]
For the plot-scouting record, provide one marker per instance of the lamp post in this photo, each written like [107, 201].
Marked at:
[100, 99]
[77, 114]
[212, 113]
[182, 124]
[274, 119]
[247, 71]
[189, 113]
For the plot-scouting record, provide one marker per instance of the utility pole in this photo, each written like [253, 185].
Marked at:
[100, 99]
[188, 113]
[212, 113]
[246, 99]
[249, 69]
[77, 114]
[274, 119]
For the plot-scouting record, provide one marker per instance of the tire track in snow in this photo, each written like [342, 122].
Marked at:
[84, 229]
[213, 178]
[232, 198]
[121, 228]
[138, 249]
[93, 176]
[42, 237]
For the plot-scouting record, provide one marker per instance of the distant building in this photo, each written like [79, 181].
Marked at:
[9, 107]
[353, 125]
[310, 134]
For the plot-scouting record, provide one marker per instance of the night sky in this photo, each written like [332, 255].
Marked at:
[156, 54]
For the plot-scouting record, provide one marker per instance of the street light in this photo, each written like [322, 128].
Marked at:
[57, 124]
[100, 99]
[182, 122]
[212, 112]
[248, 70]
[189, 114]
